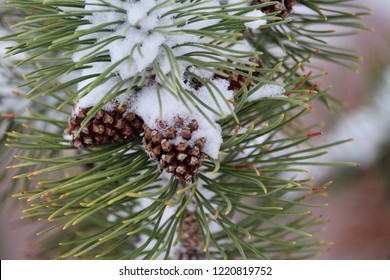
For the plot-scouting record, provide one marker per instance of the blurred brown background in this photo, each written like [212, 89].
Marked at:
[359, 200]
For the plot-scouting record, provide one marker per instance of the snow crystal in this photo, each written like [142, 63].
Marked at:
[173, 106]
[256, 23]
[267, 91]
[217, 97]
[137, 11]
[96, 95]
[201, 72]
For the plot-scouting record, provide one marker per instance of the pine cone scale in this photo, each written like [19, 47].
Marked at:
[180, 159]
[106, 127]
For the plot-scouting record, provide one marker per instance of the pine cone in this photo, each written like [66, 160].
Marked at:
[106, 127]
[191, 239]
[175, 148]
[237, 80]
[285, 7]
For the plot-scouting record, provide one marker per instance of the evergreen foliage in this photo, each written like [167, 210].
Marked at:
[111, 201]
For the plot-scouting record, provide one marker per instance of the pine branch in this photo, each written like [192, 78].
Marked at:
[67, 194]
[110, 199]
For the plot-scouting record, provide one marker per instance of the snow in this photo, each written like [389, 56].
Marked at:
[149, 33]
[145, 30]
[147, 26]
[256, 23]
[267, 90]
[148, 108]
[138, 11]
[201, 72]
[214, 104]
[96, 95]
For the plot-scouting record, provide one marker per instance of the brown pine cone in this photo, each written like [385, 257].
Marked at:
[237, 80]
[175, 148]
[106, 127]
[285, 7]
[191, 239]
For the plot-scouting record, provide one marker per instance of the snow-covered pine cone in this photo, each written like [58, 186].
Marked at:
[175, 148]
[106, 127]
[191, 239]
[284, 7]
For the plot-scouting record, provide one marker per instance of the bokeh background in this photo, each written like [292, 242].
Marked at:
[359, 199]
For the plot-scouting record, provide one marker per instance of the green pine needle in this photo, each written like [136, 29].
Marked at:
[111, 201]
